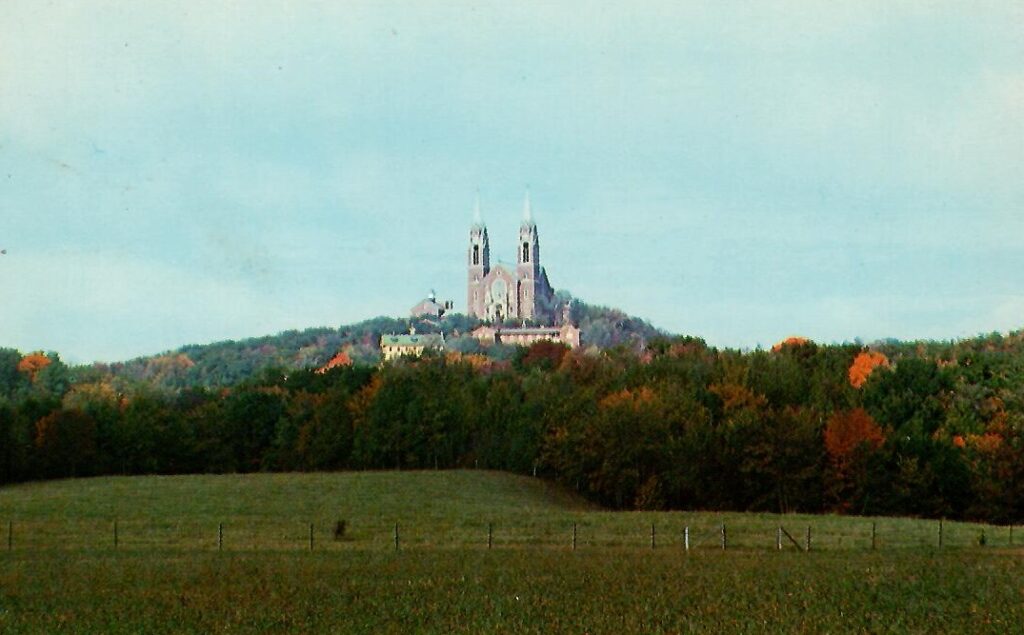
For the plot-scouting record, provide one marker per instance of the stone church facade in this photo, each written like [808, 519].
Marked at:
[503, 293]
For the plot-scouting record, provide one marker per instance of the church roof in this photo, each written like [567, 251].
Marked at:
[428, 303]
[427, 307]
[529, 330]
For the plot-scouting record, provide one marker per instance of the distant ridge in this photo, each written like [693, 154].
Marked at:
[229, 362]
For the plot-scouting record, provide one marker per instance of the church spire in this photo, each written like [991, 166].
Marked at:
[527, 209]
[477, 220]
[478, 262]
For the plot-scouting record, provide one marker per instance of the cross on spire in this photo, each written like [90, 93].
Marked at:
[477, 220]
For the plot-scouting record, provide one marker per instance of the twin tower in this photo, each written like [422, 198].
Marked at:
[501, 294]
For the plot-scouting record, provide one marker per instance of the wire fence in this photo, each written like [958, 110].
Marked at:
[585, 533]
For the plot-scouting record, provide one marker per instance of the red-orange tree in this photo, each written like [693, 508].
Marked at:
[863, 365]
[846, 432]
[32, 364]
[850, 438]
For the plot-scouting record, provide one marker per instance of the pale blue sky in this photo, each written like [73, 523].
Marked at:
[173, 173]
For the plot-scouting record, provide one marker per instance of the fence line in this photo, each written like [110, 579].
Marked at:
[585, 534]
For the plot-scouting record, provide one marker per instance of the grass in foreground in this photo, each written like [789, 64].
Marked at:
[166, 575]
[450, 509]
[513, 591]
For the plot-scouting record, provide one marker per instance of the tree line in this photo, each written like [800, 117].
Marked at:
[924, 429]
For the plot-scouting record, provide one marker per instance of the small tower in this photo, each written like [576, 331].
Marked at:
[478, 262]
[528, 263]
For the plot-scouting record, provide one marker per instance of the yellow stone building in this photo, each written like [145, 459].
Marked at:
[411, 344]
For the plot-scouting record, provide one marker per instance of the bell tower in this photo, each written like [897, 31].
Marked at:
[478, 263]
[528, 263]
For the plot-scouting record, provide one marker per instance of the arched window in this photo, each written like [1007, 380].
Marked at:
[526, 252]
[476, 254]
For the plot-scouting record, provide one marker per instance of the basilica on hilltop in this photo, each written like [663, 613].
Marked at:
[503, 292]
[515, 302]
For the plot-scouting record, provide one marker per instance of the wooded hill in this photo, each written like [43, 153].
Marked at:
[922, 428]
[230, 362]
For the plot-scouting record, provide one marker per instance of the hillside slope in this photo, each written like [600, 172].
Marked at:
[434, 508]
[230, 362]
[419, 496]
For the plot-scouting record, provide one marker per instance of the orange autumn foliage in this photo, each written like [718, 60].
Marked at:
[847, 431]
[476, 360]
[338, 361]
[737, 397]
[634, 399]
[986, 443]
[171, 363]
[360, 403]
[790, 341]
[32, 364]
[863, 365]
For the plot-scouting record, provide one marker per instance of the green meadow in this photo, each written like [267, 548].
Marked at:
[232, 553]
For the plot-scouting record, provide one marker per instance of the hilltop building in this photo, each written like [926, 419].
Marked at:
[503, 293]
[566, 334]
[430, 307]
[497, 295]
[395, 346]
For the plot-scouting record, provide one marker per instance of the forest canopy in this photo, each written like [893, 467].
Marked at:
[652, 422]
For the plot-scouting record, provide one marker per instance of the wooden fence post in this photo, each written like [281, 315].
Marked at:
[778, 538]
[311, 536]
[686, 538]
[490, 535]
[574, 536]
[396, 536]
[724, 541]
[790, 538]
[652, 536]
[872, 536]
[940, 533]
[220, 536]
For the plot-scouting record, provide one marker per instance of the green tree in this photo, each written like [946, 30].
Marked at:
[11, 381]
[250, 420]
[66, 444]
[913, 396]
[53, 380]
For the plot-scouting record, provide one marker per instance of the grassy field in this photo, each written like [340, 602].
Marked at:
[63, 572]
